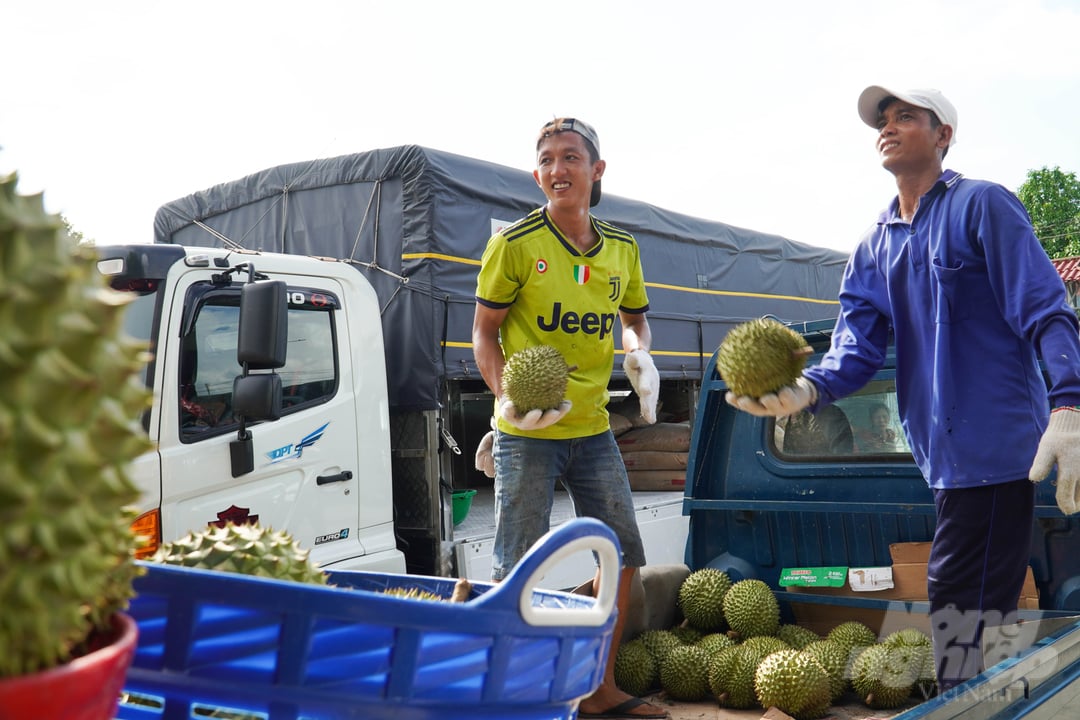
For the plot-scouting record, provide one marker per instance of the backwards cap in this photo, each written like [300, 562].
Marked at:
[582, 128]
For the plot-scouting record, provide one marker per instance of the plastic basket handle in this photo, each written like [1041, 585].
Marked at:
[577, 535]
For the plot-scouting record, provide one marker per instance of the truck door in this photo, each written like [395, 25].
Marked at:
[306, 463]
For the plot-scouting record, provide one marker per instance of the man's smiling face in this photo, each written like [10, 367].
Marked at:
[909, 138]
[565, 171]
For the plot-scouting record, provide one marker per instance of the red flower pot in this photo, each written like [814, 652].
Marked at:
[87, 688]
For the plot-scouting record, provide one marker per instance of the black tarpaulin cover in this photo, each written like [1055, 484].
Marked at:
[415, 222]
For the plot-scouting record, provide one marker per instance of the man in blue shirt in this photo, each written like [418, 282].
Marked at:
[953, 268]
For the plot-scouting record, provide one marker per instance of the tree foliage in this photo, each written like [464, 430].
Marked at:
[1052, 199]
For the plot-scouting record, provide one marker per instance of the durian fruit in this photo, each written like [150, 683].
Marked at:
[760, 357]
[883, 677]
[763, 645]
[852, 636]
[535, 378]
[701, 598]
[919, 651]
[684, 673]
[797, 636]
[715, 642]
[731, 677]
[71, 397]
[835, 661]
[635, 670]
[659, 643]
[750, 608]
[687, 635]
[247, 549]
[794, 682]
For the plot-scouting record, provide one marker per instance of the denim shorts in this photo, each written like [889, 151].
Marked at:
[526, 471]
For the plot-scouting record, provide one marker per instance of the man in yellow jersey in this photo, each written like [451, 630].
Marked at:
[560, 277]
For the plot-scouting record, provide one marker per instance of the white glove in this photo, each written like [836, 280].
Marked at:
[485, 461]
[644, 378]
[534, 419]
[1060, 444]
[788, 400]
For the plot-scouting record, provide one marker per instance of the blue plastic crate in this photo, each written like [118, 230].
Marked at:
[282, 650]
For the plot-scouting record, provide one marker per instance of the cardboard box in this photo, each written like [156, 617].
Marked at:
[908, 579]
[909, 574]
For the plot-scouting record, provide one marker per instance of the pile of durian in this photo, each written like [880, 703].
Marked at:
[732, 646]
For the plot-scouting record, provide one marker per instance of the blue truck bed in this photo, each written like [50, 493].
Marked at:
[763, 495]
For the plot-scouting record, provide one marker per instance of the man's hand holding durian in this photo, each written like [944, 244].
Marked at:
[788, 400]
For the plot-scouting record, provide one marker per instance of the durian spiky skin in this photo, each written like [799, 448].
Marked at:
[684, 673]
[794, 682]
[884, 676]
[834, 659]
[731, 677]
[750, 608]
[701, 598]
[659, 643]
[760, 356]
[797, 636]
[247, 549]
[535, 378]
[70, 400]
[635, 670]
[715, 642]
[852, 636]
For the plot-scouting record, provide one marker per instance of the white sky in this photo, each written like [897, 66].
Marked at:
[741, 112]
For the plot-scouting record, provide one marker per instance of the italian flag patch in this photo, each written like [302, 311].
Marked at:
[581, 274]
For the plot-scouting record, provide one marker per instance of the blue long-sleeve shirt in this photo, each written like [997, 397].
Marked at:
[973, 301]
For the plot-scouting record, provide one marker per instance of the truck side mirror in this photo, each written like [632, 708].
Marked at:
[264, 325]
[261, 344]
[257, 397]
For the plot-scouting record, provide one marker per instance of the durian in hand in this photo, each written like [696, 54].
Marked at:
[246, 549]
[70, 400]
[760, 357]
[536, 378]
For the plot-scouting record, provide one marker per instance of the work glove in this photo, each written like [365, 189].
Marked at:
[1060, 444]
[485, 459]
[641, 371]
[788, 400]
[534, 419]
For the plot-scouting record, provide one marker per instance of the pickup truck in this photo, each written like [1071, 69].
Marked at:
[765, 494]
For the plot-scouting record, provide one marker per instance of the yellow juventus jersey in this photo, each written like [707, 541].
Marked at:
[570, 300]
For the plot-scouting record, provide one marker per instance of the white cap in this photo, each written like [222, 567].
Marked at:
[926, 98]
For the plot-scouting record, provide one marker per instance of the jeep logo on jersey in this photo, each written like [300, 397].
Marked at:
[571, 323]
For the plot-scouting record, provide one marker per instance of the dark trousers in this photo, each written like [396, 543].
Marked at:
[978, 560]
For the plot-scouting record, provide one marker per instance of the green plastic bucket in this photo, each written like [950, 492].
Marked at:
[462, 503]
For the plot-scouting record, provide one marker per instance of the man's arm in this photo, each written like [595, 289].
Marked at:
[636, 334]
[486, 348]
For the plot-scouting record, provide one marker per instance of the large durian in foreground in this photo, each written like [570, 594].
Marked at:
[536, 378]
[70, 400]
[761, 356]
[794, 682]
[246, 549]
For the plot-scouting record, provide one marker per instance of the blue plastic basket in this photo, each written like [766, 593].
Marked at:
[282, 650]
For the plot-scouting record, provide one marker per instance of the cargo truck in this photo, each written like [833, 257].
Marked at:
[381, 405]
